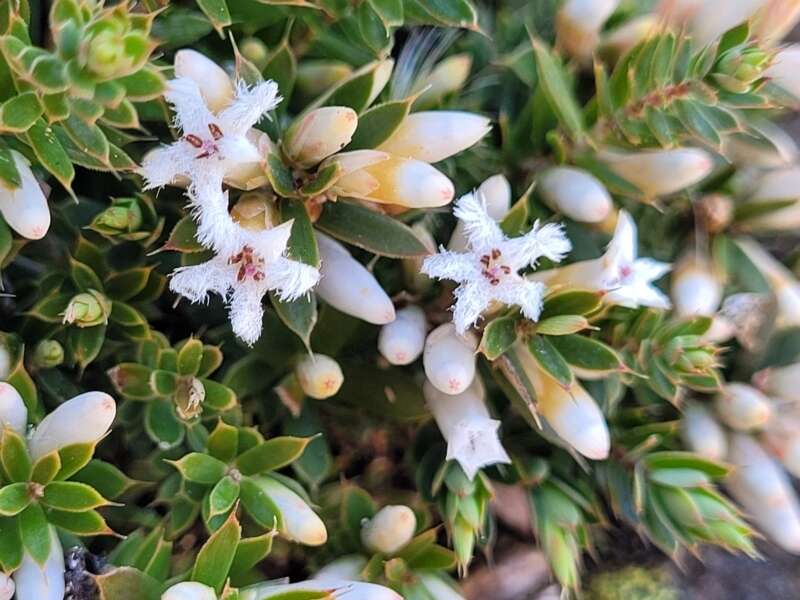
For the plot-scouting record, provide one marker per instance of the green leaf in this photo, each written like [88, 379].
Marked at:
[215, 557]
[316, 462]
[50, 153]
[218, 397]
[200, 468]
[250, 552]
[223, 442]
[88, 138]
[299, 315]
[35, 532]
[71, 496]
[124, 285]
[389, 11]
[449, 13]
[14, 498]
[132, 380]
[562, 325]
[571, 302]
[217, 13]
[222, 497]
[162, 424]
[107, 479]
[85, 343]
[281, 68]
[378, 123]
[680, 477]
[83, 276]
[558, 90]
[586, 353]
[127, 583]
[302, 244]
[322, 180]
[73, 458]
[280, 177]
[182, 238]
[46, 468]
[19, 113]
[8, 167]
[272, 455]
[370, 230]
[190, 354]
[146, 84]
[686, 460]
[359, 90]
[499, 335]
[550, 360]
[389, 394]
[14, 456]
[10, 545]
[259, 506]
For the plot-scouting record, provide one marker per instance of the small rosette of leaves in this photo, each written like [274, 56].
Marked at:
[131, 219]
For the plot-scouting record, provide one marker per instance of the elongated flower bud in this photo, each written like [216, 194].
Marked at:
[347, 568]
[215, 85]
[82, 420]
[189, 590]
[576, 194]
[401, 341]
[389, 530]
[702, 433]
[784, 285]
[764, 491]
[780, 382]
[496, 194]
[316, 76]
[42, 582]
[319, 375]
[449, 359]
[707, 19]
[446, 78]
[774, 186]
[434, 135]
[696, 289]
[621, 39]
[776, 149]
[6, 587]
[661, 172]
[743, 407]
[774, 20]
[25, 208]
[785, 70]
[578, 25]
[402, 181]
[349, 287]
[299, 522]
[320, 133]
[346, 590]
[782, 439]
[13, 412]
[467, 427]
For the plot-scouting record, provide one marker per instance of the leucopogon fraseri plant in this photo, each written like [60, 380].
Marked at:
[287, 289]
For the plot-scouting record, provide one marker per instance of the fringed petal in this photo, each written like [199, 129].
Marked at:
[290, 278]
[482, 231]
[471, 300]
[451, 265]
[527, 295]
[197, 281]
[548, 240]
[247, 312]
[191, 113]
[163, 166]
[250, 105]
[474, 443]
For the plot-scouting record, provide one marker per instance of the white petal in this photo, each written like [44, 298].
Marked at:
[472, 298]
[291, 278]
[549, 240]
[496, 193]
[623, 246]
[215, 85]
[483, 232]
[269, 243]
[167, 165]
[249, 107]
[197, 281]
[455, 266]
[516, 291]
[246, 310]
[191, 113]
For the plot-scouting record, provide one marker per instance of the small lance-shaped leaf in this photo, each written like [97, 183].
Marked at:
[223, 442]
[132, 380]
[10, 544]
[73, 458]
[280, 177]
[250, 551]
[259, 506]
[571, 302]
[218, 397]
[14, 498]
[302, 244]
[127, 583]
[550, 360]
[50, 153]
[686, 460]
[215, 557]
[272, 454]
[217, 13]
[14, 456]
[222, 497]
[322, 181]
[35, 532]
[182, 238]
[449, 13]
[71, 496]
[370, 230]
[557, 90]
[586, 353]
[83, 276]
[146, 84]
[200, 468]
[46, 468]
[19, 113]
[107, 479]
[562, 325]
[378, 123]
[85, 344]
[190, 354]
[281, 67]
[499, 335]
[300, 315]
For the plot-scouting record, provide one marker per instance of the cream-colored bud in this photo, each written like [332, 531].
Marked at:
[431, 136]
[774, 20]
[256, 51]
[315, 76]
[353, 180]
[621, 39]
[189, 590]
[389, 530]
[576, 194]
[762, 488]
[403, 181]
[249, 170]
[347, 567]
[331, 588]
[781, 382]
[84, 419]
[578, 25]
[782, 439]
[401, 341]
[775, 149]
[6, 587]
[214, 83]
[784, 285]
[785, 70]
[661, 172]
[25, 208]
[446, 78]
[13, 412]
[496, 194]
[299, 523]
[696, 288]
[255, 211]
[742, 407]
[319, 133]
[349, 287]
[449, 359]
[707, 19]
[42, 582]
[382, 74]
[774, 186]
[319, 375]
[702, 433]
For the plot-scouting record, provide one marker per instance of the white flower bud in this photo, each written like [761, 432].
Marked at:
[349, 287]
[785, 70]
[780, 382]
[496, 193]
[346, 590]
[189, 590]
[578, 25]
[82, 420]
[449, 359]
[777, 185]
[774, 21]
[575, 193]
[782, 439]
[467, 427]
[776, 149]
[389, 530]
[661, 172]
[316, 76]
[42, 582]
[25, 208]
[319, 375]
[438, 589]
[403, 181]
[696, 289]
[707, 19]
[702, 433]
[446, 78]
[13, 412]
[214, 83]
[320, 133]
[299, 522]
[764, 491]
[784, 285]
[401, 341]
[742, 407]
[347, 568]
[431, 136]
[6, 587]
[621, 39]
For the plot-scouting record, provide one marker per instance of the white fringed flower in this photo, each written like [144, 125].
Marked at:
[245, 274]
[489, 270]
[625, 279]
[212, 145]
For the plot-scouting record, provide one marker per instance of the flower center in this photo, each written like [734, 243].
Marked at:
[493, 268]
[251, 265]
[209, 147]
